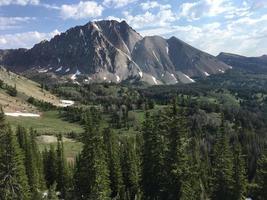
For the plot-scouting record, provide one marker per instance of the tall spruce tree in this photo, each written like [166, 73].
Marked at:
[130, 164]
[13, 178]
[222, 184]
[113, 161]
[49, 163]
[91, 174]
[239, 173]
[261, 177]
[62, 173]
[153, 157]
[180, 181]
[32, 162]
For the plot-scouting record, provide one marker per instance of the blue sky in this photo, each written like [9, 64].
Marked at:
[237, 26]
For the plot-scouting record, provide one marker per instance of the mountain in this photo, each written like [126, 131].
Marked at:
[252, 64]
[113, 51]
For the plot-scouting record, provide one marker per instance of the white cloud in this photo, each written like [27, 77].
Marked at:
[212, 8]
[13, 22]
[162, 17]
[117, 3]
[18, 2]
[24, 40]
[82, 10]
[154, 4]
[246, 36]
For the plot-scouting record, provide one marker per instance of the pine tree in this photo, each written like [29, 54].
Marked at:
[62, 175]
[153, 157]
[180, 181]
[261, 177]
[91, 174]
[49, 163]
[222, 184]
[130, 164]
[239, 174]
[13, 178]
[113, 161]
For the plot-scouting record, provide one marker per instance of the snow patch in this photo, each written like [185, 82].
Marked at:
[206, 74]
[19, 114]
[73, 77]
[66, 103]
[67, 70]
[43, 71]
[141, 74]
[126, 47]
[155, 80]
[155, 56]
[95, 26]
[105, 78]
[230, 67]
[167, 49]
[190, 79]
[220, 70]
[59, 69]
[58, 60]
[118, 78]
[162, 75]
[81, 32]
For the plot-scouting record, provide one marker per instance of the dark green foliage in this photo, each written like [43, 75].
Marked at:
[92, 175]
[239, 174]
[12, 91]
[153, 157]
[113, 161]
[261, 178]
[130, 164]
[62, 173]
[222, 184]
[33, 162]
[42, 105]
[50, 166]
[13, 178]
[52, 193]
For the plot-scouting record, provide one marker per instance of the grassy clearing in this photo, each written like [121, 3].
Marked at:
[71, 147]
[48, 123]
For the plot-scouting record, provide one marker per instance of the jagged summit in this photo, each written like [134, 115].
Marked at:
[109, 50]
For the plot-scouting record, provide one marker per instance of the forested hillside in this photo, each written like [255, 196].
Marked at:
[205, 140]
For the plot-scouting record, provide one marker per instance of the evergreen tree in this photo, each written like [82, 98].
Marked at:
[261, 177]
[113, 161]
[222, 184]
[153, 157]
[91, 175]
[49, 163]
[180, 181]
[130, 164]
[13, 178]
[62, 175]
[239, 174]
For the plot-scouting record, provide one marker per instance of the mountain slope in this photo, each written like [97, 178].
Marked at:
[26, 88]
[252, 64]
[113, 51]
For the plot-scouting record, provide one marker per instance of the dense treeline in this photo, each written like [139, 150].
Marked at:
[173, 156]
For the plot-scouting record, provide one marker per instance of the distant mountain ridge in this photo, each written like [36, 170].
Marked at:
[111, 51]
[252, 64]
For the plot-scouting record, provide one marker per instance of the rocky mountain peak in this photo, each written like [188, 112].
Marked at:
[109, 50]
